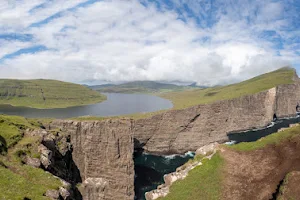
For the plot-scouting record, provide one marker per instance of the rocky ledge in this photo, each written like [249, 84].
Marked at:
[205, 152]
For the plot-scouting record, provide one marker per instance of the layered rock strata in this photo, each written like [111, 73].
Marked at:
[103, 153]
[103, 150]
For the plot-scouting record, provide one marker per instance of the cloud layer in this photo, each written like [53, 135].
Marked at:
[210, 42]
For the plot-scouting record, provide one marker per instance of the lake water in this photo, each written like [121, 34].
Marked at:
[116, 104]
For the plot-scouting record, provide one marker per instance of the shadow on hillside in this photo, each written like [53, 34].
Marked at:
[64, 167]
[3, 145]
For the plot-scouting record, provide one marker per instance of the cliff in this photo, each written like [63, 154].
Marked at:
[179, 131]
[103, 150]
[103, 153]
[264, 169]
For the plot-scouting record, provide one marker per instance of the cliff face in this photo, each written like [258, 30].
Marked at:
[102, 151]
[178, 131]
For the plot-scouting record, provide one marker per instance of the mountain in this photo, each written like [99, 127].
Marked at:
[187, 98]
[139, 87]
[46, 94]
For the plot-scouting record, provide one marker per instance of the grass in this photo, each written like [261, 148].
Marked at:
[46, 94]
[192, 97]
[17, 180]
[205, 182]
[202, 183]
[260, 83]
[274, 138]
[26, 182]
[10, 129]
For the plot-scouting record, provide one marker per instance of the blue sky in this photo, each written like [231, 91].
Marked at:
[92, 41]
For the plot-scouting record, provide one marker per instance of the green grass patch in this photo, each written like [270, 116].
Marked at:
[46, 94]
[17, 180]
[274, 138]
[190, 96]
[184, 99]
[11, 129]
[202, 183]
[26, 182]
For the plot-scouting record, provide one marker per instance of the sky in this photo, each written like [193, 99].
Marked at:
[211, 42]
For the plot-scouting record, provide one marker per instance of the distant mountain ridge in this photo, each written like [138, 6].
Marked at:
[140, 87]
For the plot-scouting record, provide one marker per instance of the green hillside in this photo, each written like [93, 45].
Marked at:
[140, 87]
[20, 181]
[46, 94]
[184, 99]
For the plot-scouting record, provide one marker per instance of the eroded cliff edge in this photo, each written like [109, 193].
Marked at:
[103, 150]
[103, 153]
[179, 131]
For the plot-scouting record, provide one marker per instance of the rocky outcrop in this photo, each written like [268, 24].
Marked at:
[103, 153]
[179, 131]
[102, 150]
[205, 152]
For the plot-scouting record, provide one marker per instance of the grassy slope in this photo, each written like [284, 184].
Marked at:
[205, 181]
[18, 181]
[189, 98]
[140, 87]
[274, 138]
[46, 94]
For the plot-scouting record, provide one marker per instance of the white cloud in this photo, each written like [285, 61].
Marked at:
[124, 41]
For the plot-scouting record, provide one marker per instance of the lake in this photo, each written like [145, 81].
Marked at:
[116, 104]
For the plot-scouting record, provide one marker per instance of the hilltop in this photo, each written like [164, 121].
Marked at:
[140, 87]
[46, 94]
[188, 98]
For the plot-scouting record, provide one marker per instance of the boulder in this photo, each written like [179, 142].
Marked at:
[207, 148]
[33, 162]
[52, 194]
[46, 155]
[64, 193]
